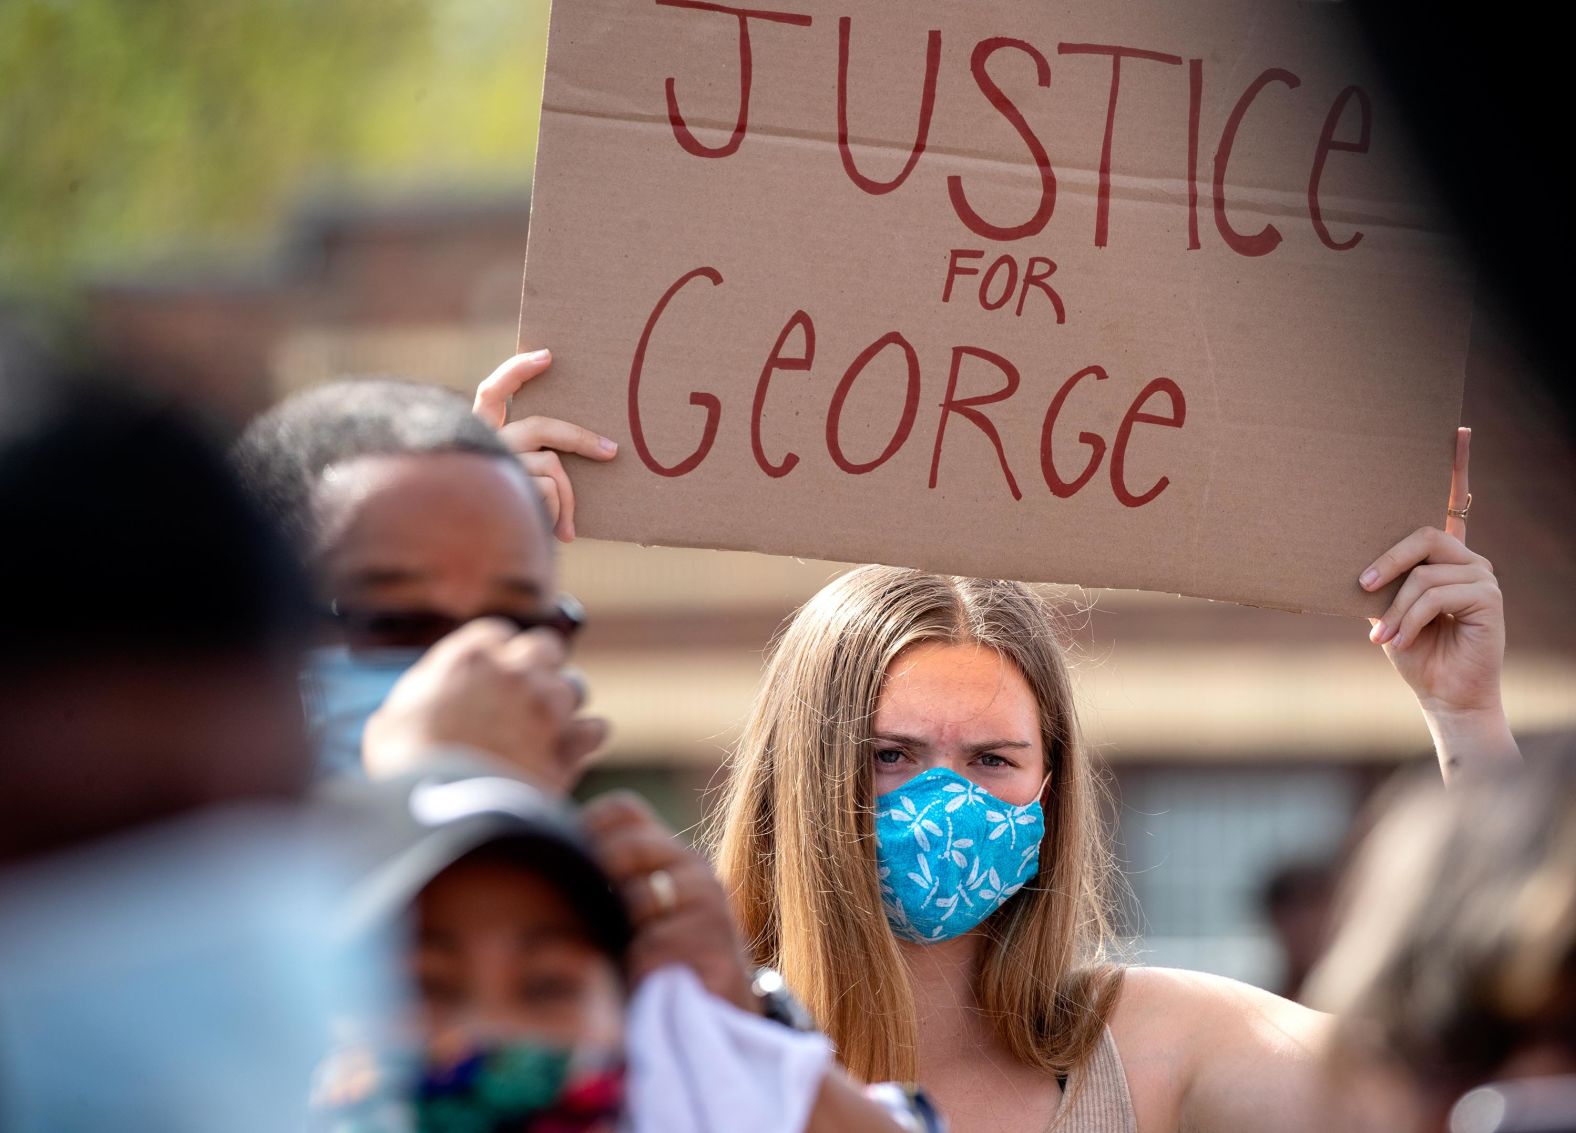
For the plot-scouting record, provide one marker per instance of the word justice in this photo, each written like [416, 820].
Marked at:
[1352, 101]
[1159, 403]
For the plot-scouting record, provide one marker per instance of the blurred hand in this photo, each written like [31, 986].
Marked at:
[685, 920]
[488, 687]
[538, 441]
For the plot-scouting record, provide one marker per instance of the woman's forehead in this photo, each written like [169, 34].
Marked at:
[934, 685]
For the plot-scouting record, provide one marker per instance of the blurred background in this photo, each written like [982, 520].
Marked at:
[249, 198]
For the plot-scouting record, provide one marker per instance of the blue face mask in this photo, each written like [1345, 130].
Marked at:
[950, 853]
[341, 690]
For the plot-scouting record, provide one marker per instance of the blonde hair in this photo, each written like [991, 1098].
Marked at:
[796, 847]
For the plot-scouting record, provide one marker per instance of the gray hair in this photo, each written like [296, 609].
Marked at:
[283, 454]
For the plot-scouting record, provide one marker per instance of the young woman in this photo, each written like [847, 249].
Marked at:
[911, 837]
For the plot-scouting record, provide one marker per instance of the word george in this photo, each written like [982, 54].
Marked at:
[971, 409]
[1258, 243]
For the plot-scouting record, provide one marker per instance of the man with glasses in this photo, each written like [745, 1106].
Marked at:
[428, 541]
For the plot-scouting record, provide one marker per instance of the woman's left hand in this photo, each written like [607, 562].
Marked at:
[678, 906]
[1445, 630]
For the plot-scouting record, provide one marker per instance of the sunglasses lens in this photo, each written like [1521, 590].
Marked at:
[400, 631]
[369, 630]
[571, 616]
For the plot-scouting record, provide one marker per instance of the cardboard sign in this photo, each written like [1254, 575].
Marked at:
[1122, 295]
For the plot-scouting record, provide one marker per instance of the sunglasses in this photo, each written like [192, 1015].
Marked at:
[364, 629]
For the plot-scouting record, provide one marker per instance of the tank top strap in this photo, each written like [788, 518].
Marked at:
[1095, 1097]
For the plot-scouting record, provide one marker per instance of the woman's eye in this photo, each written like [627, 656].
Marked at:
[990, 759]
[889, 756]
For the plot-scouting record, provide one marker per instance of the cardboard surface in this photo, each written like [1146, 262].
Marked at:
[1239, 380]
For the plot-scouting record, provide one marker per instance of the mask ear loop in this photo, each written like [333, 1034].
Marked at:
[1039, 795]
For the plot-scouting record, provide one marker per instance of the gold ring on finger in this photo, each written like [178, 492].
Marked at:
[663, 891]
[1460, 513]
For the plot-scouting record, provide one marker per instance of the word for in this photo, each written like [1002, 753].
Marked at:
[1258, 243]
[1159, 403]
[1001, 280]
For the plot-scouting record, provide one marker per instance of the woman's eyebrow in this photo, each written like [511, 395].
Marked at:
[899, 739]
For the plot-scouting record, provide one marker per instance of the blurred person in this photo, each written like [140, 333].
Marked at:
[148, 658]
[1295, 900]
[1454, 962]
[415, 520]
[515, 959]
[539, 1002]
[163, 897]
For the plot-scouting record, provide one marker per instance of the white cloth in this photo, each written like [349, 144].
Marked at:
[700, 1065]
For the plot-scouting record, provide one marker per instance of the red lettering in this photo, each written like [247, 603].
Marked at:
[776, 360]
[927, 105]
[1035, 275]
[905, 425]
[1102, 206]
[1135, 417]
[681, 129]
[1006, 292]
[1195, 110]
[983, 50]
[1327, 143]
[1262, 242]
[965, 405]
[954, 269]
[706, 401]
[1095, 441]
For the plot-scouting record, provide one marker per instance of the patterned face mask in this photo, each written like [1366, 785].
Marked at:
[518, 1086]
[521, 1087]
[950, 853]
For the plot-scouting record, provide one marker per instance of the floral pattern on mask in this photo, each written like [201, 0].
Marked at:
[950, 853]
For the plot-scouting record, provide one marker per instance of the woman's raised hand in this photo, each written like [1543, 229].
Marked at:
[1445, 631]
[538, 441]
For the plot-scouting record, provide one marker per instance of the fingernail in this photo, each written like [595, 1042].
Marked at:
[606, 445]
[1370, 576]
[1378, 633]
[539, 355]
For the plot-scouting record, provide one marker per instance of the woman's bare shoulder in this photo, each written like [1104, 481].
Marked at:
[1186, 1037]
[1168, 1008]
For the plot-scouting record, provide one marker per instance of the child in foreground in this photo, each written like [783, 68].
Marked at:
[544, 996]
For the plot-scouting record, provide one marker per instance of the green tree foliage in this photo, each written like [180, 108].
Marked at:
[131, 128]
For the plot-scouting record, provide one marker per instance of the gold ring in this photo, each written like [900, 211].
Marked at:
[1460, 513]
[663, 890]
